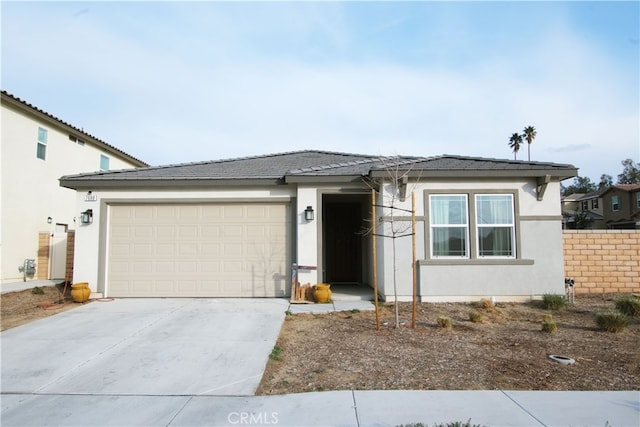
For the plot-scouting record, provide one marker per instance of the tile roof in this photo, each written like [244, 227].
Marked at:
[627, 187]
[14, 100]
[312, 165]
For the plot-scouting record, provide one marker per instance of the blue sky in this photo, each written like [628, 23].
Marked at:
[172, 82]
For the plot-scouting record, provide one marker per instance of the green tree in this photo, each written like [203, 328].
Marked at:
[529, 133]
[631, 172]
[580, 185]
[606, 181]
[514, 143]
[581, 220]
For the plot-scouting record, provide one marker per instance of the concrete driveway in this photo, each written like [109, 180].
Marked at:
[144, 347]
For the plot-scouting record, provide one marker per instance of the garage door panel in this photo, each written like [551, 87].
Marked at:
[187, 249]
[142, 212]
[199, 250]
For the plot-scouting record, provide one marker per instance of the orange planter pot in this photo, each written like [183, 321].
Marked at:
[80, 292]
[322, 292]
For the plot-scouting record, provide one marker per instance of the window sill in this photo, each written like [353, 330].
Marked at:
[484, 261]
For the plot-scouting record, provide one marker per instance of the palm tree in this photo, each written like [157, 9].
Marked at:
[529, 133]
[514, 143]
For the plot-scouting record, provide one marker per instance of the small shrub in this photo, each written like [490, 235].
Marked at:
[355, 310]
[288, 313]
[475, 316]
[629, 305]
[611, 321]
[457, 424]
[444, 322]
[553, 302]
[486, 304]
[275, 353]
[548, 324]
[37, 290]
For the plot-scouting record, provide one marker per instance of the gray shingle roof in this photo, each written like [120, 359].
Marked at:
[310, 165]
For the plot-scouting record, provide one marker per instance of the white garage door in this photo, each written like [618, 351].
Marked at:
[215, 250]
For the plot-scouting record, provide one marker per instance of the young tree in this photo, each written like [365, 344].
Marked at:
[394, 226]
[529, 133]
[514, 143]
[631, 172]
[581, 220]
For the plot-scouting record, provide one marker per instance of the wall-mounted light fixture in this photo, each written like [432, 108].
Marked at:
[86, 217]
[309, 214]
[49, 220]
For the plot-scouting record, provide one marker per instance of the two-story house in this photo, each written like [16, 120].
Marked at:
[615, 207]
[37, 214]
[621, 205]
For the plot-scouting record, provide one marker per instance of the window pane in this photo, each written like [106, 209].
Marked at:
[615, 203]
[104, 163]
[448, 210]
[449, 241]
[495, 241]
[42, 135]
[495, 209]
[42, 151]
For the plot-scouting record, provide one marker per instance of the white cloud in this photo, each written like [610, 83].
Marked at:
[202, 89]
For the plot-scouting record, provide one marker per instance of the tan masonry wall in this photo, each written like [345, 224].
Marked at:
[71, 238]
[42, 266]
[603, 261]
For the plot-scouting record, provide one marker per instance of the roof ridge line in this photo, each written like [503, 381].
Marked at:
[332, 166]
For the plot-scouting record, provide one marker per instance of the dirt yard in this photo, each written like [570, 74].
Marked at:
[18, 308]
[507, 350]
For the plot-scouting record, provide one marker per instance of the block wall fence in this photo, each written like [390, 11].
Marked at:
[603, 261]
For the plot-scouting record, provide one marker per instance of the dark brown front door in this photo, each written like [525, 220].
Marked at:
[343, 242]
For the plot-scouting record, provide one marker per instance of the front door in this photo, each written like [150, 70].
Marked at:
[343, 242]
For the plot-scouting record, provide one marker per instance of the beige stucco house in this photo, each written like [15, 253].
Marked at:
[233, 228]
[36, 214]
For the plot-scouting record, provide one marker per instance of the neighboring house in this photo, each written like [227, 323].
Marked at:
[36, 213]
[583, 211]
[621, 205]
[233, 228]
[615, 207]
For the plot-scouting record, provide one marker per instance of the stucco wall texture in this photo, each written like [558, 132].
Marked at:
[603, 261]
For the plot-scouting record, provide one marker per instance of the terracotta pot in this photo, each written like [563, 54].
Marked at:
[322, 292]
[80, 292]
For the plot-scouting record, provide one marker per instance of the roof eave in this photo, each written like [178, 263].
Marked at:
[321, 179]
[560, 174]
[81, 184]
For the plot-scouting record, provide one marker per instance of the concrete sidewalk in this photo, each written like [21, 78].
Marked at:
[337, 408]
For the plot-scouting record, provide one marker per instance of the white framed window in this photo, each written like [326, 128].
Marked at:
[495, 222]
[615, 203]
[41, 151]
[638, 199]
[449, 221]
[594, 203]
[104, 162]
[585, 205]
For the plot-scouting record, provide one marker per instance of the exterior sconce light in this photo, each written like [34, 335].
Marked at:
[49, 220]
[309, 214]
[86, 217]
